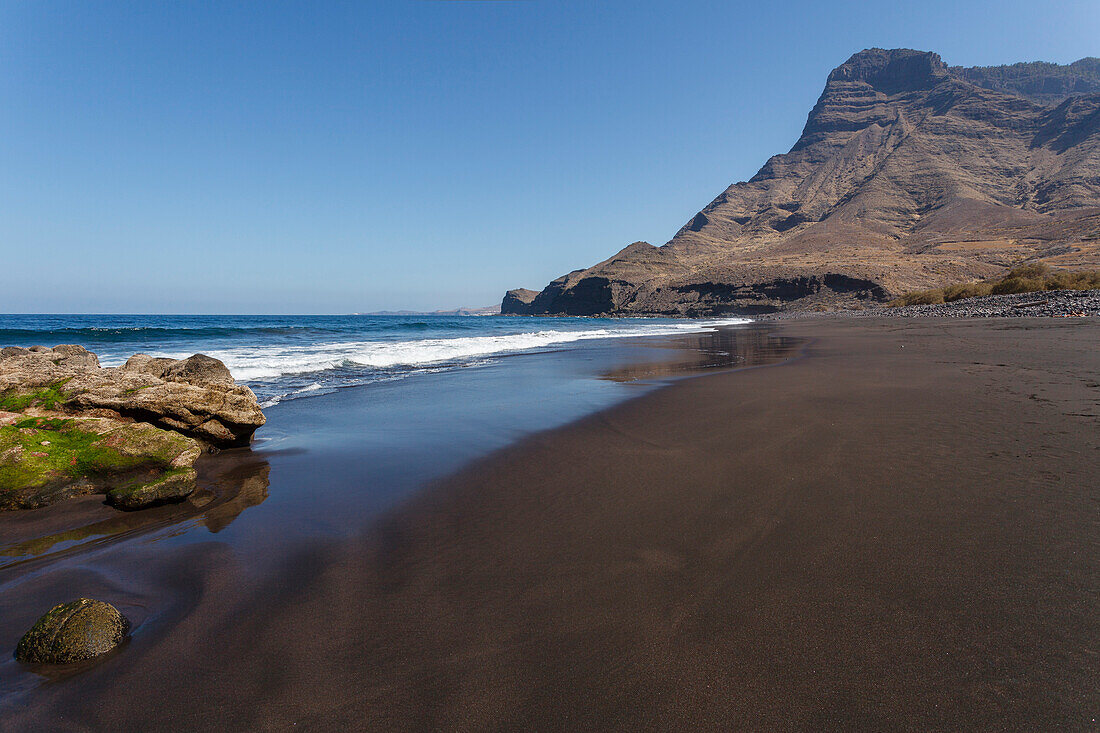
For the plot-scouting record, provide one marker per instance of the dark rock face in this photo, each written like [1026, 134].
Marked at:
[1038, 80]
[73, 632]
[909, 174]
[891, 72]
[585, 297]
[517, 302]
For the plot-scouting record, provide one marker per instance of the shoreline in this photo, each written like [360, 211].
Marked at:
[283, 358]
[573, 383]
[28, 537]
[640, 359]
[912, 527]
[1041, 303]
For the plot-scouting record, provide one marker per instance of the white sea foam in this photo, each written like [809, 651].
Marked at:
[303, 392]
[268, 362]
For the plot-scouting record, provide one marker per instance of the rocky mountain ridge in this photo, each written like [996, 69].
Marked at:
[909, 174]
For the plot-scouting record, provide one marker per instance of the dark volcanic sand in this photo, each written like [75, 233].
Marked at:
[901, 530]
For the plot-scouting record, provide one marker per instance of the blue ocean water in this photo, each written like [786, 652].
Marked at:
[287, 357]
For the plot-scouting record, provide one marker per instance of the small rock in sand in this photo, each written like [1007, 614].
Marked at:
[73, 632]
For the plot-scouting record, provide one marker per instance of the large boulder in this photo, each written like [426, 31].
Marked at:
[73, 632]
[69, 427]
[195, 396]
[145, 364]
[199, 369]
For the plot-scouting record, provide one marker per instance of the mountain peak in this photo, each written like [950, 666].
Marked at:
[892, 70]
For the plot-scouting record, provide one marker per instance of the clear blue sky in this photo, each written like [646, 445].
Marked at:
[311, 157]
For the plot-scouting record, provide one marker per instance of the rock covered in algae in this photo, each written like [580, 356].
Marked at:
[47, 459]
[173, 486]
[73, 632]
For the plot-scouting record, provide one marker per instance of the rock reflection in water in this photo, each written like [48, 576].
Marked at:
[734, 347]
[249, 482]
[228, 484]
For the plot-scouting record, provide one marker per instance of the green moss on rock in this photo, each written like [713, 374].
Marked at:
[73, 632]
[43, 460]
[174, 485]
[48, 398]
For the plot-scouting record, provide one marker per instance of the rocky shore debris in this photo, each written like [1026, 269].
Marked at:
[70, 427]
[73, 632]
[1053, 303]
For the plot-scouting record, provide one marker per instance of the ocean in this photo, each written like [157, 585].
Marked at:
[288, 357]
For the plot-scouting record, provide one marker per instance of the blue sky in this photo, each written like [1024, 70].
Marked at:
[311, 157]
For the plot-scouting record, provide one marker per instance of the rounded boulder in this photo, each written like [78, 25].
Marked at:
[73, 632]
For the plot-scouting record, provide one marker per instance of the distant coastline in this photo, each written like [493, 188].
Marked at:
[488, 310]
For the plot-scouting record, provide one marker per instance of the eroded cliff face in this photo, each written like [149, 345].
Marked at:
[909, 174]
[518, 302]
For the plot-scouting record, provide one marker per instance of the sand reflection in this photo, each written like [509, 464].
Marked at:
[735, 347]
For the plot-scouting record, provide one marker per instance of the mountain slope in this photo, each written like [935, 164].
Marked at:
[908, 174]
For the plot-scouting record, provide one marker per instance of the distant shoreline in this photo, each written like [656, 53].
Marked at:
[1061, 303]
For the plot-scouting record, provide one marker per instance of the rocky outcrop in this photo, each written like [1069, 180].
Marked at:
[1038, 80]
[195, 396]
[518, 302]
[909, 174]
[73, 632]
[69, 427]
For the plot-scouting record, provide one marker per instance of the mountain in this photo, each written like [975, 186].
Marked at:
[909, 174]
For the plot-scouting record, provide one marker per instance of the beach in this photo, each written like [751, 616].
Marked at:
[892, 524]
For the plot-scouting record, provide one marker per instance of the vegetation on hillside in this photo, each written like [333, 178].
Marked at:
[1030, 278]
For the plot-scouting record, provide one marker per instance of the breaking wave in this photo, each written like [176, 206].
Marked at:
[270, 362]
[289, 357]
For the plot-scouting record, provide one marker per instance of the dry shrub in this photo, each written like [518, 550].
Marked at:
[924, 297]
[1028, 272]
[1033, 277]
[1019, 285]
[966, 290]
[1083, 280]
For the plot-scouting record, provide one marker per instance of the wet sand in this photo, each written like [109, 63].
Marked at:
[898, 530]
